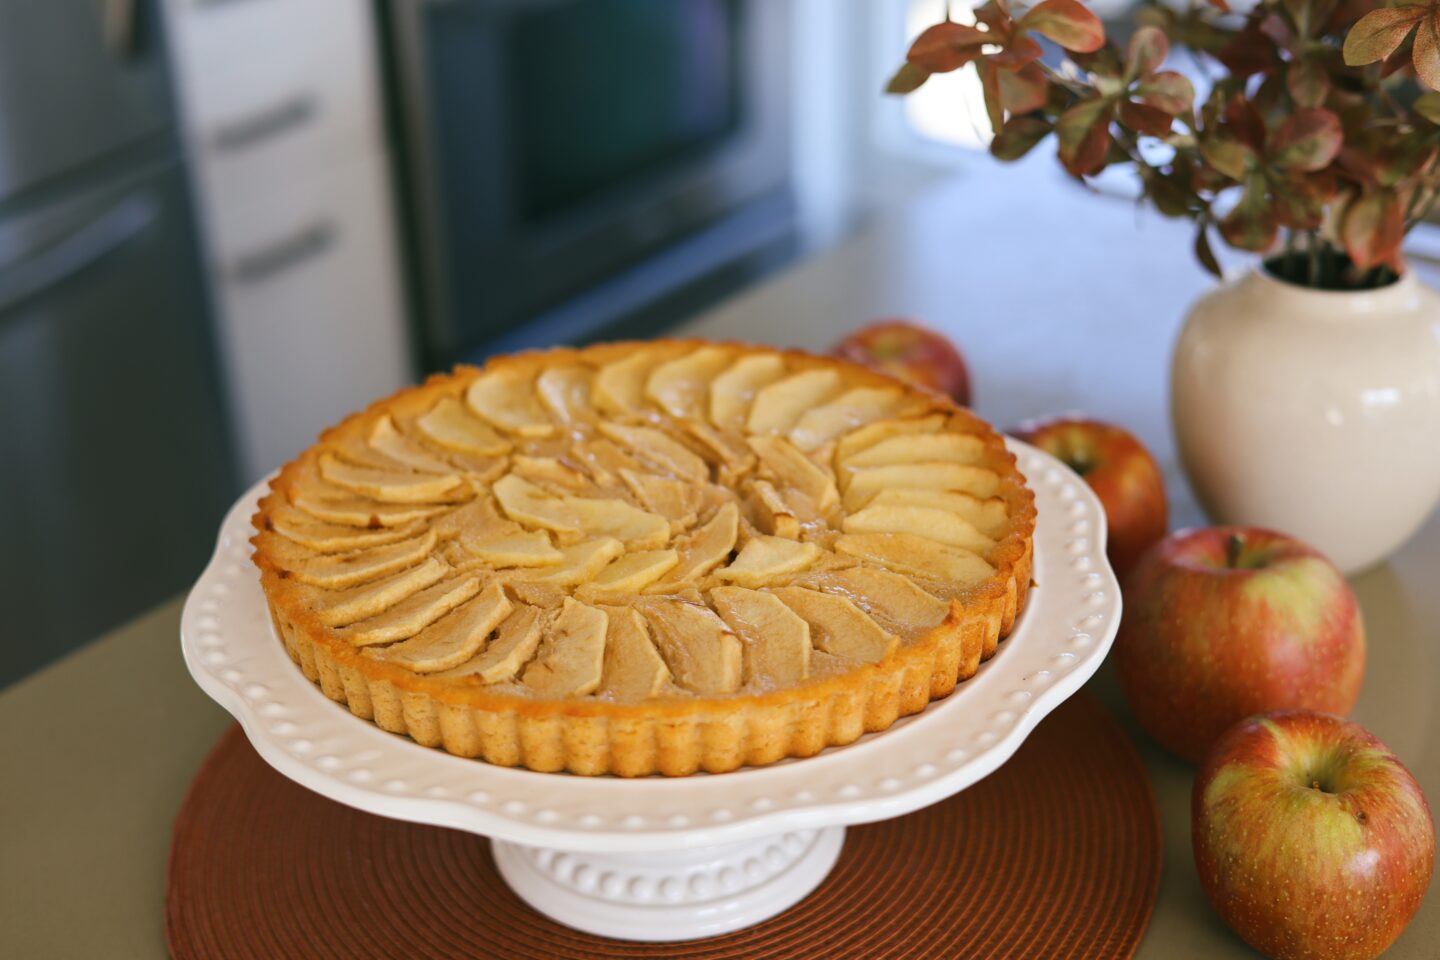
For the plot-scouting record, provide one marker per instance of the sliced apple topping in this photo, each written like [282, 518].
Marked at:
[603, 459]
[780, 405]
[565, 391]
[862, 485]
[658, 448]
[680, 386]
[572, 654]
[551, 472]
[337, 571]
[451, 426]
[916, 556]
[920, 448]
[385, 485]
[504, 543]
[792, 470]
[675, 500]
[361, 512]
[400, 448]
[526, 503]
[414, 613]
[702, 654]
[732, 392]
[341, 607]
[872, 433]
[454, 638]
[634, 669]
[988, 516]
[727, 448]
[776, 639]
[516, 640]
[636, 528]
[297, 525]
[895, 602]
[837, 626]
[581, 563]
[704, 549]
[633, 572]
[619, 387]
[764, 558]
[940, 525]
[505, 397]
[771, 513]
[853, 408]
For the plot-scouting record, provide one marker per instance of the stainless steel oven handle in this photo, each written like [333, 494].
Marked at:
[293, 111]
[283, 255]
[29, 276]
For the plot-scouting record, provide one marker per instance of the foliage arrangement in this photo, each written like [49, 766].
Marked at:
[1317, 125]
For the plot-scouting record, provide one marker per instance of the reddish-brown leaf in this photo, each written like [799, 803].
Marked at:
[1307, 82]
[1018, 52]
[1168, 91]
[1379, 32]
[1251, 224]
[1297, 205]
[1023, 90]
[1018, 137]
[1427, 49]
[946, 46]
[1084, 133]
[1068, 22]
[1204, 253]
[1250, 52]
[909, 77]
[1145, 52]
[990, 87]
[1145, 119]
[1229, 157]
[1245, 122]
[1309, 15]
[1308, 140]
[1373, 228]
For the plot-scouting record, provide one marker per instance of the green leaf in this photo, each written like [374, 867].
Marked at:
[1168, 91]
[1142, 118]
[1377, 34]
[1068, 22]
[1251, 224]
[947, 46]
[1426, 54]
[1146, 51]
[1309, 139]
[1084, 132]
[1230, 157]
[1428, 106]
[1373, 228]
[1023, 90]
[1203, 251]
[908, 78]
[1018, 137]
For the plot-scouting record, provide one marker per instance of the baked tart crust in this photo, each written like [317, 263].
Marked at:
[651, 557]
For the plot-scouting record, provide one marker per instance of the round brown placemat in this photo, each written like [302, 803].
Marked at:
[1057, 854]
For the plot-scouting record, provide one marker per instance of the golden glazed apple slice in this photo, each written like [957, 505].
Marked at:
[505, 398]
[770, 512]
[895, 602]
[637, 529]
[988, 516]
[572, 655]
[853, 408]
[565, 392]
[337, 571]
[658, 448]
[939, 525]
[454, 638]
[732, 392]
[700, 651]
[776, 639]
[872, 433]
[582, 562]
[386, 485]
[765, 558]
[340, 607]
[634, 669]
[862, 485]
[837, 626]
[361, 512]
[777, 407]
[916, 556]
[632, 572]
[451, 426]
[516, 640]
[533, 506]
[921, 448]
[619, 387]
[675, 500]
[298, 526]
[414, 613]
[502, 543]
[705, 548]
[680, 386]
[793, 470]
[385, 438]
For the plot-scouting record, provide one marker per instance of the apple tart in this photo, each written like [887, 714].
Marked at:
[636, 558]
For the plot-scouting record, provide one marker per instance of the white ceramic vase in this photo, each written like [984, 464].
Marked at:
[1312, 412]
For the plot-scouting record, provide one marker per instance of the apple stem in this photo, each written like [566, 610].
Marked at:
[1233, 547]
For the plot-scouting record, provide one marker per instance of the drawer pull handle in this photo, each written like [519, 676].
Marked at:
[261, 126]
[285, 254]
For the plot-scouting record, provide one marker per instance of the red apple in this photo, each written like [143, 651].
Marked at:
[911, 353]
[1224, 622]
[1312, 840]
[1120, 471]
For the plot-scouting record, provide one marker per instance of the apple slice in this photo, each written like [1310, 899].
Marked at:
[361, 512]
[658, 448]
[872, 433]
[565, 392]
[632, 572]
[794, 471]
[862, 485]
[770, 511]
[987, 516]
[776, 639]
[703, 550]
[526, 503]
[895, 602]
[516, 640]
[920, 448]
[675, 500]
[505, 397]
[726, 448]
[637, 529]
[389, 441]
[764, 558]
[504, 543]
[939, 525]
[299, 527]
[916, 556]
[700, 651]
[853, 408]
[837, 626]
[680, 386]
[336, 571]
[338, 608]
[572, 655]
[454, 638]
[386, 485]
[550, 472]
[451, 426]
[414, 613]
[619, 387]
[582, 562]
[778, 406]
[634, 669]
[732, 392]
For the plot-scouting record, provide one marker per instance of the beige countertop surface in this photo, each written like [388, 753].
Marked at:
[1073, 304]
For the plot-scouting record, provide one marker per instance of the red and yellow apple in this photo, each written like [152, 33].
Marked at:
[1120, 471]
[1312, 840]
[909, 352]
[1224, 622]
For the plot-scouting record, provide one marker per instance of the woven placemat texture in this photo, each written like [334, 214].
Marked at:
[1056, 855]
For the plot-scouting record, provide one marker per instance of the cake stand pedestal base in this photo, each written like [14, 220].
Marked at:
[670, 895]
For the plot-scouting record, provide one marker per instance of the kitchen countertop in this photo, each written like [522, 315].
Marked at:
[1059, 300]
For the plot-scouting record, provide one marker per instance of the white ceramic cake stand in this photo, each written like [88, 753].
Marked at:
[669, 859]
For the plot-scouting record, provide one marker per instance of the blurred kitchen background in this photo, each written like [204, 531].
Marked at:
[224, 224]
